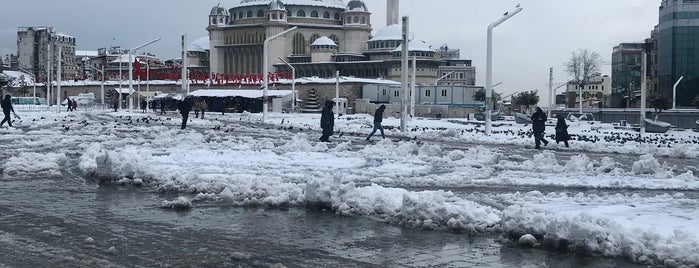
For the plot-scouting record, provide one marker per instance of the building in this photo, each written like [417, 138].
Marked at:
[330, 37]
[626, 74]
[37, 46]
[237, 35]
[595, 94]
[678, 50]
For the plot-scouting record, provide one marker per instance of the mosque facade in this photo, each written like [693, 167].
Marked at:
[331, 38]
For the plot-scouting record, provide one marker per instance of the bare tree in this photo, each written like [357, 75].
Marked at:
[582, 65]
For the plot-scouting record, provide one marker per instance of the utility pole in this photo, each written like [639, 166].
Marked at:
[404, 69]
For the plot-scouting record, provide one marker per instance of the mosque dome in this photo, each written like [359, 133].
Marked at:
[356, 5]
[218, 10]
[199, 45]
[324, 41]
[389, 33]
[317, 3]
[276, 5]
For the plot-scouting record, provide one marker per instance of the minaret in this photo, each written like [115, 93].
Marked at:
[392, 12]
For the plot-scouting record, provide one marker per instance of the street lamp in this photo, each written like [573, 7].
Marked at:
[266, 69]
[131, 71]
[674, 93]
[293, 84]
[489, 65]
[443, 76]
[102, 81]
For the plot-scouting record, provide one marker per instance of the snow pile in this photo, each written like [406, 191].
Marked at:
[649, 165]
[428, 209]
[26, 164]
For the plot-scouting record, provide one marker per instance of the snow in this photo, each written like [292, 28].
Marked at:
[323, 41]
[390, 32]
[316, 3]
[641, 208]
[199, 45]
[416, 45]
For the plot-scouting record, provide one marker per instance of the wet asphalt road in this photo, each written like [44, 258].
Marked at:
[73, 221]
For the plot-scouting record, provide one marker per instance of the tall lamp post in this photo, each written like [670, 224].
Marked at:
[266, 69]
[674, 93]
[102, 81]
[489, 66]
[293, 84]
[131, 71]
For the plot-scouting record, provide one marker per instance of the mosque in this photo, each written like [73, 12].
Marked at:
[331, 39]
[331, 36]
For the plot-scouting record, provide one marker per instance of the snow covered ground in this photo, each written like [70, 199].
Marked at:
[644, 211]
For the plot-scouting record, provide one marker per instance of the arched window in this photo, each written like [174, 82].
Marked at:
[274, 16]
[337, 16]
[363, 20]
[314, 14]
[260, 14]
[240, 14]
[249, 13]
[326, 15]
[299, 46]
[220, 20]
[301, 13]
[213, 20]
[355, 19]
[313, 38]
[336, 40]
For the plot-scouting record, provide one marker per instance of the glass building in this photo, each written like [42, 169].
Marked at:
[678, 50]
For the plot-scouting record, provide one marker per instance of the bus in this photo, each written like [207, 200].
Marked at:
[26, 101]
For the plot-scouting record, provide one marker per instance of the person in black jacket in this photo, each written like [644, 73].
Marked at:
[327, 121]
[6, 109]
[378, 118]
[562, 130]
[538, 127]
[185, 106]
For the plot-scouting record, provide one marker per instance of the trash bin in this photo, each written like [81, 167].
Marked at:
[438, 115]
[622, 123]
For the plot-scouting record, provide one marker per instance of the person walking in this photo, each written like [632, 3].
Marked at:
[562, 130]
[538, 127]
[115, 102]
[196, 108]
[69, 104]
[378, 118]
[203, 106]
[6, 109]
[327, 121]
[162, 106]
[185, 106]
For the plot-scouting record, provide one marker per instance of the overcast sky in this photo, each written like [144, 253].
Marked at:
[543, 35]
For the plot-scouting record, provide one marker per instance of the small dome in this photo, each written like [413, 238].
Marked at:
[324, 41]
[276, 5]
[416, 45]
[199, 45]
[391, 32]
[356, 5]
[218, 10]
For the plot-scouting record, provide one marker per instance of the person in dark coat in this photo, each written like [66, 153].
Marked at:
[327, 121]
[185, 106]
[162, 106]
[115, 102]
[538, 127]
[378, 118]
[562, 130]
[6, 109]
